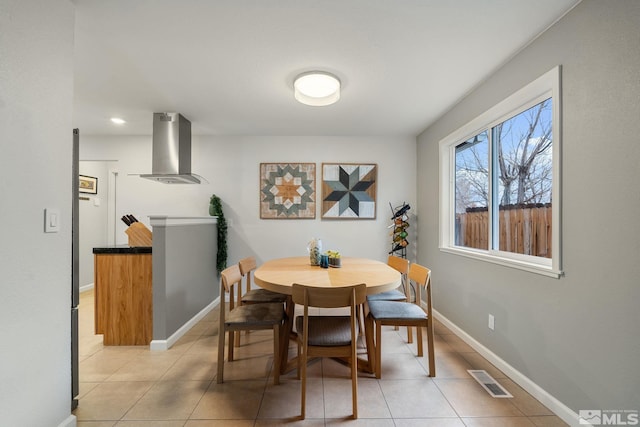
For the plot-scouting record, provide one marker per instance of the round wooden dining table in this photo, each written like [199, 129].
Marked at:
[280, 274]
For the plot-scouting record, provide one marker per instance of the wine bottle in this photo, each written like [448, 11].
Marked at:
[399, 246]
[400, 236]
[401, 211]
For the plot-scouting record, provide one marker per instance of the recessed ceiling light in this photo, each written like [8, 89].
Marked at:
[118, 120]
[317, 88]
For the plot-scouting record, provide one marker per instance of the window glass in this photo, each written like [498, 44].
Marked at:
[522, 153]
[472, 192]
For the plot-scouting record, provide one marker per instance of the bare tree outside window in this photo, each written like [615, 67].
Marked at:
[523, 146]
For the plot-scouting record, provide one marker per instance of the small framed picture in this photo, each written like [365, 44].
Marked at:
[88, 184]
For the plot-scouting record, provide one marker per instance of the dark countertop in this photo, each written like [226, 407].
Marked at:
[122, 249]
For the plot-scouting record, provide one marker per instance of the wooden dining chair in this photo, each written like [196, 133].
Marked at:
[402, 266]
[253, 296]
[259, 295]
[401, 294]
[405, 314]
[328, 336]
[246, 317]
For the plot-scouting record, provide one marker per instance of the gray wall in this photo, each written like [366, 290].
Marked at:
[185, 280]
[36, 91]
[577, 336]
[232, 164]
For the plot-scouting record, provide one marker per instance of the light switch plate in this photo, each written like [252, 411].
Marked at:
[51, 220]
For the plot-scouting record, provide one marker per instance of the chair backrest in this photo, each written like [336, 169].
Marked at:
[400, 264]
[329, 297]
[246, 266]
[421, 276]
[230, 277]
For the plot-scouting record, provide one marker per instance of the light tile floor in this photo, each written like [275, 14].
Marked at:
[135, 387]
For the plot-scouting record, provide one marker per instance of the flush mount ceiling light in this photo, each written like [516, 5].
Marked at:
[317, 88]
[118, 120]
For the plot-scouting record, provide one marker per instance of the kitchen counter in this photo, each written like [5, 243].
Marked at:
[123, 294]
[123, 249]
[154, 295]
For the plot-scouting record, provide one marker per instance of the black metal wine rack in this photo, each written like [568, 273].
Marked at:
[399, 224]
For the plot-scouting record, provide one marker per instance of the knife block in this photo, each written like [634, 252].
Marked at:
[139, 235]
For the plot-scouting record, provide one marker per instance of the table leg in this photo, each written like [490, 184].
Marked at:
[369, 329]
[287, 334]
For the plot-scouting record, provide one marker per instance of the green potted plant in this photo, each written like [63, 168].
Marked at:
[215, 209]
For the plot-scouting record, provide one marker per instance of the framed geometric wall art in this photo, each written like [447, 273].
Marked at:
[349, 190]
[287, 190]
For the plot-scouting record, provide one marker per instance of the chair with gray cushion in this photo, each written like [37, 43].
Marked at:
[401, 294]
[405, 314]
[402, 266]
[328, 336]
[244, 318]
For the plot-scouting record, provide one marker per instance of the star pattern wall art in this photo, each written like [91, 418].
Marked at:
[287, 190]
[349, 190]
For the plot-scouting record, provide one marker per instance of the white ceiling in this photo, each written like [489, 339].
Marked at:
[228, 65]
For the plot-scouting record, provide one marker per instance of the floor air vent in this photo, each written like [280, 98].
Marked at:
[488, 383]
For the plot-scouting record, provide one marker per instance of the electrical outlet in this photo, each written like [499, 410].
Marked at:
[492, 322]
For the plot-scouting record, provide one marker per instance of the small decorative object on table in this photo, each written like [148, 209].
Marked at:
[324, 261]
[334, 259]
[315, 248]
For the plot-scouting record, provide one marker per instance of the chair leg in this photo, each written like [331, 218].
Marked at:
[371, 353]
[232, 335]
[430, 350]
[303, 394]
[419, 338]
[276, 354]
[378, 357]
[221, 334]
[360, 319]
[354, 379]
[409, 335]
[236, 341]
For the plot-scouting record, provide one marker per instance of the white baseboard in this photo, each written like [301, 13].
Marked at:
[71, 421]
[557, 407]
[163, 345]
[86, 288]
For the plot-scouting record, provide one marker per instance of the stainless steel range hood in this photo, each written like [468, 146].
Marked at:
[171, 150]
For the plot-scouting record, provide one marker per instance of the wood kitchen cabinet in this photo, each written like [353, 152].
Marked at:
[123, 295]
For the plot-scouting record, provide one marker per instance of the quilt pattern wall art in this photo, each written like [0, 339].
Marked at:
[349, 190]
[287, 190]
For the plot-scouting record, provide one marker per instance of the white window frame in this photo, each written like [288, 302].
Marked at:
[544, 87]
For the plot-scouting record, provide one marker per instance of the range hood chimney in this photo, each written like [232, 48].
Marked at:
[171, 150]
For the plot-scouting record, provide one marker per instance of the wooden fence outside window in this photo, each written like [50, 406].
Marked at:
[524, 229]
